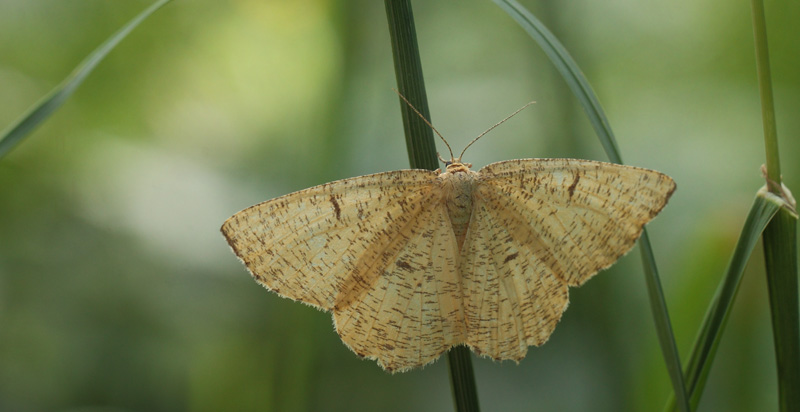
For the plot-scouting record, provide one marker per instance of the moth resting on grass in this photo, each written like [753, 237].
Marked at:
[413, 262]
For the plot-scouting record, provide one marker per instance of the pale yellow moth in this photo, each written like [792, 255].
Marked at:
[413, 262]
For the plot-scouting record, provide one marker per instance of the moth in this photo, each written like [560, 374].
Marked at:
[414, 262]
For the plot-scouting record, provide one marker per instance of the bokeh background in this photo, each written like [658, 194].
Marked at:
[117, 292]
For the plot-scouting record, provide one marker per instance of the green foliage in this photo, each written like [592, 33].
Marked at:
[50, 103]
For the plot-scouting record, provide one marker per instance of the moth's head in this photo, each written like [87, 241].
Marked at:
[454, 165]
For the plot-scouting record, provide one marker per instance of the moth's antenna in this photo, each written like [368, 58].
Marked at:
[426, 122]
[490, 129]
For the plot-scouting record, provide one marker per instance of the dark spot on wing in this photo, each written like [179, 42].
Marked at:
[574, 184]
[511, 257]
[403, 265]
[336, 209]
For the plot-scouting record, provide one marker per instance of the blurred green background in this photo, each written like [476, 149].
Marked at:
[118, 293]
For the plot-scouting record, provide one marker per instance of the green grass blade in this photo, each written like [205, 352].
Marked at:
[765, 206]
[570, 71]
[780, 238]
[50, 103]
[410, 83]
[780, 258]
[666, 337]
[580, 87]
[422, 154]
[462, 379]
[765, 90]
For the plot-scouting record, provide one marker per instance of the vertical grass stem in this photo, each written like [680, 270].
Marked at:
[422, 154]
[780, 238]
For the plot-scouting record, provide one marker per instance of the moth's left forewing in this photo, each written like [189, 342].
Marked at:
[318, 245]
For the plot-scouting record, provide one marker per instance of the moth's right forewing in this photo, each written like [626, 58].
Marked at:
[307, 245]
[512, 297]
[587, 213]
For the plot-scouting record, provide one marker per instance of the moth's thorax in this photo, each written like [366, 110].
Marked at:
[458, 183]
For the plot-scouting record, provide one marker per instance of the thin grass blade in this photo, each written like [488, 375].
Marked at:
[580, 87]
[570, 71]
[50, 103]
[411, 84]
[765, 206]
[666, 337]
[422, 154]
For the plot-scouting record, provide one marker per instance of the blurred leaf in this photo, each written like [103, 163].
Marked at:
[50, 103]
